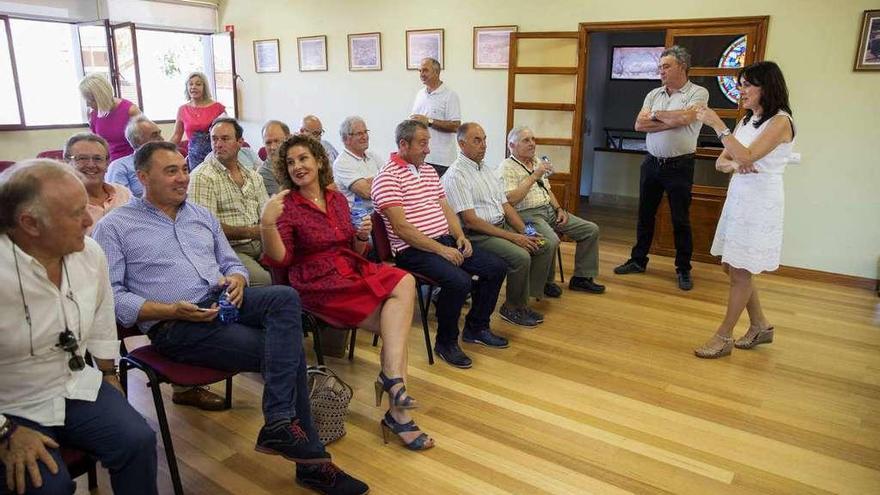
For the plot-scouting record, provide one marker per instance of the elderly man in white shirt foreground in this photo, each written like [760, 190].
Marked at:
[57, 304]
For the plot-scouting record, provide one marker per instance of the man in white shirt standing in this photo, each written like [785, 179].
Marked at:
[57, 305]
[437, 107]
[355, 167]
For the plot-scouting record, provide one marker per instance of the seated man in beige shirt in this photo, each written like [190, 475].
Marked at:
[528, 190]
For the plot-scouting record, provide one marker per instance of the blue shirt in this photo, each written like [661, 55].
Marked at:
[154, 258]
[121, 171]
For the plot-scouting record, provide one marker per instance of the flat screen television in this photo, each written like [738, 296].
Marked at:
[635, 63]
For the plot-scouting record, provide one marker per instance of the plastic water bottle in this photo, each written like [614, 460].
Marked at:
[546, 161]
[358, 212]
[228, 310]
[531, 231]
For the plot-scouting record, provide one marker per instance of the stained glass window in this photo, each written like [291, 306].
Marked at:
[733, 57]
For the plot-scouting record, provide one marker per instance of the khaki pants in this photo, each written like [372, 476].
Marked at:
[584, 233]
[526, 272]
[249, 254]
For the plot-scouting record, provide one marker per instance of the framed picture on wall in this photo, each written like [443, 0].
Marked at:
[312, 53]
[868, 55]
[422, 44]
[266, 56]
[365, 51]
[492, 46]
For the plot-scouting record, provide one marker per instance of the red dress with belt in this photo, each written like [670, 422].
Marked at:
[330, 277]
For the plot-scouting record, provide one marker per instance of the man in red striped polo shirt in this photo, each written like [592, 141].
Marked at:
[427, 238]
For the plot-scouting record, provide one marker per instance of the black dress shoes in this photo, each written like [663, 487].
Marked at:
[629, 267]
[685, 282]
[584, 284]
[452, 354]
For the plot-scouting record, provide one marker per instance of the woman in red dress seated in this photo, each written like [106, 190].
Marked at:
[307, 229]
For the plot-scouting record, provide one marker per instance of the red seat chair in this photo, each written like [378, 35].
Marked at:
[160, 369]
[312, 320]
[4, 164]
[382, 246]
[53, 154]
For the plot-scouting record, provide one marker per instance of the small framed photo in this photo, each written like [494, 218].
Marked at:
[422, 44]
[266, 56]
[868, 56]
[365, 51]
[312, 53]
[492, 46]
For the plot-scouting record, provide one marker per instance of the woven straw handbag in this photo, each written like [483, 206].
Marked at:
[329, 397]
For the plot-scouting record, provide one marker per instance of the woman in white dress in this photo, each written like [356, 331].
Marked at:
[749, 233]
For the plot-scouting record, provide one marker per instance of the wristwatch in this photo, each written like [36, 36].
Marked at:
[725, 132]
[653, 115]
[7, 427]
[430, 122]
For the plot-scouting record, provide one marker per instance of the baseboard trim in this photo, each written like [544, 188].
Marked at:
[828, 277]
[615, 200]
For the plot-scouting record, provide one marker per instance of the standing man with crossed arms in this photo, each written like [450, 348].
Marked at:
[670, 120]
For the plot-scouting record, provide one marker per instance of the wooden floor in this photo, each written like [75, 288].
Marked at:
[605, 397]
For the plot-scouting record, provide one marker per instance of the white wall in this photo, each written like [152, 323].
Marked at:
[832, 200]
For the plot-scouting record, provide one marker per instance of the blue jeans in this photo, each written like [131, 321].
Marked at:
[111, 430]
[456, 283]
[267, 339]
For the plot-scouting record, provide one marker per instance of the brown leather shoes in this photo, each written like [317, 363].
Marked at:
[199, 397]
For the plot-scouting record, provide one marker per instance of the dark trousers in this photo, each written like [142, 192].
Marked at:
[675, 178]
[267, 339]
[456, 283]
[108, 428]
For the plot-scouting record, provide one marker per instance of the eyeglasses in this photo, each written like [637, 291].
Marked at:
[67, 342]
[318, 133]
[85, 159]
[359, 134]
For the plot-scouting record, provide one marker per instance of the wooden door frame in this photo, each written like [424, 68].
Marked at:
[571, 196]
[586, 28]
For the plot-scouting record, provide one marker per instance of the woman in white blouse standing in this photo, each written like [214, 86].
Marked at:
[749, 233]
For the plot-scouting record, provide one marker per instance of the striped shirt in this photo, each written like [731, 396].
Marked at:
[154, 258]
[211, 186]
[474, 186]
[417, 190]
[513, 172]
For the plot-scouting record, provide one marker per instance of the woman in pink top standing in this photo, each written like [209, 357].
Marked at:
[194, 118]
[87, 154]
[108, 115]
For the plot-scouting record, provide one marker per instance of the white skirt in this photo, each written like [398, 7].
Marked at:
[749, 233]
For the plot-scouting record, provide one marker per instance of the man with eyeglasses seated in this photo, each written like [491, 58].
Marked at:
[170, 265]
[274, 133]
[87, 154]
[312, 126]
[58, 304]
[235, 194]
[139, 130]
[356, 166]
